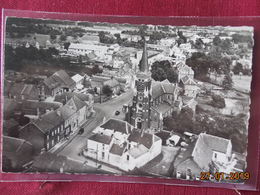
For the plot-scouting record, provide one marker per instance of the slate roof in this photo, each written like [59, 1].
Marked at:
[160, 88]
[205, 145]
[68, 95]
[117, 149]
[117, 125]
[30, 107]
[104, 139]
[215, 143]
[137, 151]
[188, 81]
[59, 79]
[14, 145]
[162, 108]
[145, 139]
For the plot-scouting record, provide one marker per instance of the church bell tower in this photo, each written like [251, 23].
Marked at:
[140, 112]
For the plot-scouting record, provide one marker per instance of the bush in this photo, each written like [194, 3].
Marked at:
[218, 101]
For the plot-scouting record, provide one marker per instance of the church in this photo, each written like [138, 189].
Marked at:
[152, 100]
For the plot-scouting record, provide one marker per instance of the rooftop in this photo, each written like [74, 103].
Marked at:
[101, 138]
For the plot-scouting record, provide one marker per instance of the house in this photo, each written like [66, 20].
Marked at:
[190, 87]
[86, 98]
[45, 132]
[57, 83]
[16, 154]
[184, 70]
[119, 144]
[206, 152]
[54, 126]
[98, 82]
[78, 79]
[34, 109]
[22, 91]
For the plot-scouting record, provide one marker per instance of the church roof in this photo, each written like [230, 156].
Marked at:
[144, 66]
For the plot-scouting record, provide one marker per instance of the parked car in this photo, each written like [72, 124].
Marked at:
[81, 131]
[117, 113]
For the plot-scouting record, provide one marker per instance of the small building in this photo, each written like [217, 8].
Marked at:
[78, 79]
[206, 152]
[16, 154]
[22, 91]
[117, 143]
[190, 87]
[57, 83]
[184, 70]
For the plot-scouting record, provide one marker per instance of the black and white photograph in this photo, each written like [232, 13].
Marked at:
[157, 101]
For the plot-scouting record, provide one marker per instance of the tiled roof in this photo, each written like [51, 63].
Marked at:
[101, 138]
[30, 107]
[117, 149]
[143, 138]
[117, 125]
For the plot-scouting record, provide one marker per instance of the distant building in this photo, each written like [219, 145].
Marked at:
[190, 87]
[58, 83]
[184, 70]
[98, 82]
[119, 144]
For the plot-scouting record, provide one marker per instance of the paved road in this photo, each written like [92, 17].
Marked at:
[104, 110]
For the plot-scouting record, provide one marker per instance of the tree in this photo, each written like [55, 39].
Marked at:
[200, 63]
[107, 90]
[96, 69]
[216, 41]
[63, 37]
[159, 74]
[218, 101]
[238, 68]
[227, 82]
[162, 70]
[66, 45]
[53, 36]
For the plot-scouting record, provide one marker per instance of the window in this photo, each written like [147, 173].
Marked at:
[216, 155]
[48, 145]
[103, 155]
[52, 142]
[140, 105]
[127, 157]
[48, 137]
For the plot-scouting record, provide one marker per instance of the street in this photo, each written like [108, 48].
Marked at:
[105, 111]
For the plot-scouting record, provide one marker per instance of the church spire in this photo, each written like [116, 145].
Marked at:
[144, 67]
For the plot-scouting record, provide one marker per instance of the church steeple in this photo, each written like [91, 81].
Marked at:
[143, 66]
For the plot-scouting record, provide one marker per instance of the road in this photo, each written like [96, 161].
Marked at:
[104, 111]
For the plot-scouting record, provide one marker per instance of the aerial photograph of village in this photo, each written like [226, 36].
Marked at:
[125, 99]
